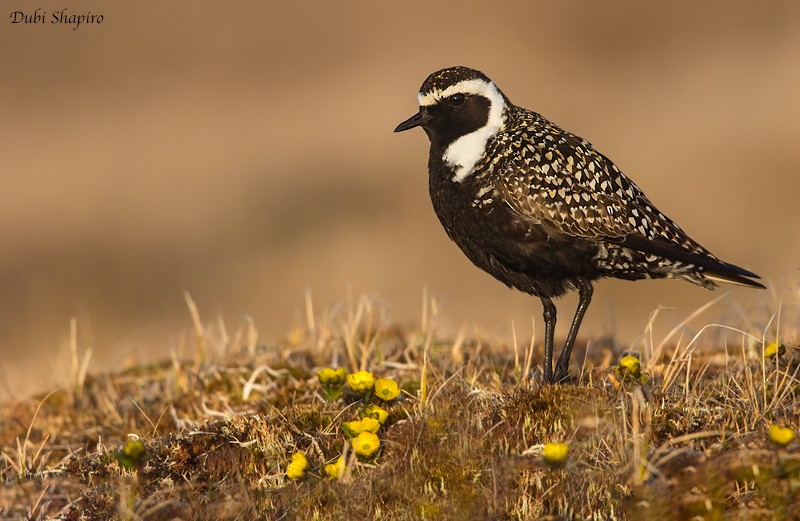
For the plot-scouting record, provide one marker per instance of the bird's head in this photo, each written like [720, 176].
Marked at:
[460, 109]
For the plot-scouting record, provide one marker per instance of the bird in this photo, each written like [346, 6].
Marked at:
[540, 209]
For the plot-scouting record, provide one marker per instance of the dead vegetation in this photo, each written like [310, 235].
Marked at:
[464, 441]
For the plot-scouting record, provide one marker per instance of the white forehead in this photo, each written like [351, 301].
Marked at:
[477, 87]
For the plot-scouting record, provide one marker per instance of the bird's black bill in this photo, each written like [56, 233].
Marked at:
[414, 121]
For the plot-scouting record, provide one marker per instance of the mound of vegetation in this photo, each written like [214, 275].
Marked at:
[413, 426]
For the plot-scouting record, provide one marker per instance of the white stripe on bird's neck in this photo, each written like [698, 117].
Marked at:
[464, 153]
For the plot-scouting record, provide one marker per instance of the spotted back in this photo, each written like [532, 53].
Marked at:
[552, 176]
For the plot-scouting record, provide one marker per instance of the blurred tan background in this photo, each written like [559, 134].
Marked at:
[243, 151]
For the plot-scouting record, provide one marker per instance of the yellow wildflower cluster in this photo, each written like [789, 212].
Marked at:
[362, 432]
[364, 382]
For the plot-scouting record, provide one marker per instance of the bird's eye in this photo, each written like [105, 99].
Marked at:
[457, 99]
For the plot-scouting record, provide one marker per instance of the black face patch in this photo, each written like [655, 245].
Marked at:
[456, 116]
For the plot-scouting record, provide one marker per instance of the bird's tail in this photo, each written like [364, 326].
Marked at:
[708, 267]
[731, 274]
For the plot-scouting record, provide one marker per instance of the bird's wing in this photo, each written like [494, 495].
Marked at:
[559, 180]
[562, 181]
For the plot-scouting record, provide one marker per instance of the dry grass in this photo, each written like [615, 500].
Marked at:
[463, 442]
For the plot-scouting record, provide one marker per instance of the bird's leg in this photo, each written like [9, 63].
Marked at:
[585, 294]
[549, 331]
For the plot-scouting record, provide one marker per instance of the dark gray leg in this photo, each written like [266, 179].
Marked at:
[549, 331]
[585, 293]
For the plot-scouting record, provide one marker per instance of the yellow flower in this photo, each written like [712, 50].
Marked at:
[363, 425]
[133, 454]
[386, 389]
[297, 468]
[629, 370]
[365, 444]
[330, 376]
[781, 436]
[555, 454]
[335, 470]
[361, 381]
[332, 381]
[134, 448]
[373, 411]
[631, 364]
[774, 350]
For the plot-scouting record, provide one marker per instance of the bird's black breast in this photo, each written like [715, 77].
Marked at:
[531, 257]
